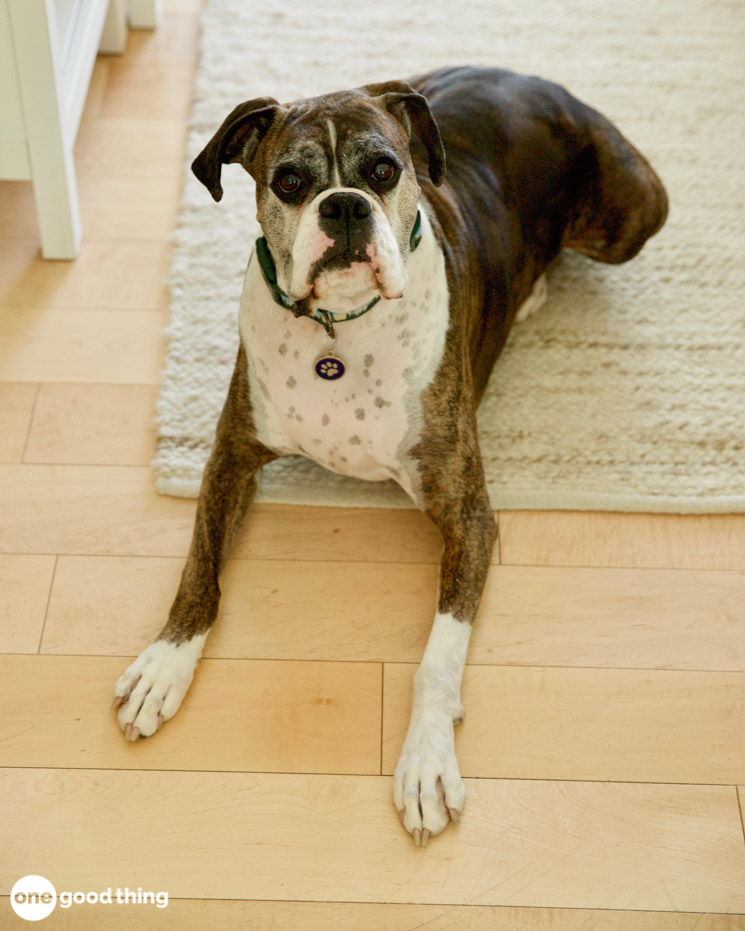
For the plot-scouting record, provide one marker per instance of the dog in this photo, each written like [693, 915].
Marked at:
[405, 224]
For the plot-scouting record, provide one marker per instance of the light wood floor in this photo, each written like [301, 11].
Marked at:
[605, 732]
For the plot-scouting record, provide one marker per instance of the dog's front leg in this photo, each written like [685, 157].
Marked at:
[153, 687]
[428, 789]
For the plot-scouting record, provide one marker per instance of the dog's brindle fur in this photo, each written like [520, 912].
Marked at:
[530, 170]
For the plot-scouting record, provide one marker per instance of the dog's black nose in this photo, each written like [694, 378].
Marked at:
[345, 206]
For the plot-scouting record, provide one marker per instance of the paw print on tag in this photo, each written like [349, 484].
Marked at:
[330, 368]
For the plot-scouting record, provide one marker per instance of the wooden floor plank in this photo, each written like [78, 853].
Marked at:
[345, 610]
[128, 208]
[82, 424]
[221, 915]
[297, 837]
[18, 216]
[115, 510]
[116, 605]
[281, 531]
[238, 716]
[16, 406]
[135, 148]
[641, 618]
[101, 277]
[48, 345]
[270, 609]
[148, 89]
[24, 591]
[89, 509]
[578, 538]
[620, 725]
[119, 207]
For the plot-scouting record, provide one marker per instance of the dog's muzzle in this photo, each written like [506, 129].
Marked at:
[346, 218]
[302, 309]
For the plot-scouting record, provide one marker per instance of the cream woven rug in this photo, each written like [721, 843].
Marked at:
[627, 390]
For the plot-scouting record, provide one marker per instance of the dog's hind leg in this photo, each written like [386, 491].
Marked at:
[153, 687]
[621, 201]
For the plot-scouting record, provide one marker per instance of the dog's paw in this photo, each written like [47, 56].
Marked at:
[427, 788]
[534, 301]
[152, 689]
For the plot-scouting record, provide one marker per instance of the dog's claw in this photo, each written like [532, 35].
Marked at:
[131, 732]
[427, 783]
[118, 699]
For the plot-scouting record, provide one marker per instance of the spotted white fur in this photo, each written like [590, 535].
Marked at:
[363, 424]
[427, 788]
[153, 687]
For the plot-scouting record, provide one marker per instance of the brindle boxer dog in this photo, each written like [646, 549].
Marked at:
[372, 314]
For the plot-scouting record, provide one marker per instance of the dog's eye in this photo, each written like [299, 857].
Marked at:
[289, 183]
[383, 172]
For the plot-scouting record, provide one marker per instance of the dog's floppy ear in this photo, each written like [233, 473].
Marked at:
[412, 111]
[235, 141]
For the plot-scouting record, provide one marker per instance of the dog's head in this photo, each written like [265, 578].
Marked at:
[335, 186]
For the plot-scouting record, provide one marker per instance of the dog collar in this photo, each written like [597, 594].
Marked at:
[326, 318]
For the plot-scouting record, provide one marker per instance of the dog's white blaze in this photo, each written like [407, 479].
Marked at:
[335, 176]
[363, 424]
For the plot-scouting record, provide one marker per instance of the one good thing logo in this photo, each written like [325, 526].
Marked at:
[34, 897]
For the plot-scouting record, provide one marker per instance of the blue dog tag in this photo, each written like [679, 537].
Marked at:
[329, 367]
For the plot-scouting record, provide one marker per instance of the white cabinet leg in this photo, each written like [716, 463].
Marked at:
[49, 145]
[144, 14]
[114, 35]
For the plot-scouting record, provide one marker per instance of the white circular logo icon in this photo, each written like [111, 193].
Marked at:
[33, 898]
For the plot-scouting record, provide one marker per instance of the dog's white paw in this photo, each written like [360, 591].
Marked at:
[152, 689]
[427, 788]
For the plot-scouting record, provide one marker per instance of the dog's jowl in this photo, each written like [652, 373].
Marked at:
[405, 225]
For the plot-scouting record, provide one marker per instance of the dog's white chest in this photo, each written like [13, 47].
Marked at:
[364, 423]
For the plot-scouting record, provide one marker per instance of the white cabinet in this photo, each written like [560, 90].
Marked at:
[47, 52]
